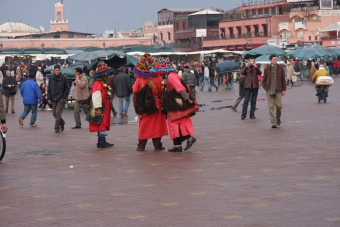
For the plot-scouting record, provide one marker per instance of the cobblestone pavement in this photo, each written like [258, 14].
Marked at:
[239, 173]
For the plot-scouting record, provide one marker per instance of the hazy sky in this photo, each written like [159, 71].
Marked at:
[99, 15]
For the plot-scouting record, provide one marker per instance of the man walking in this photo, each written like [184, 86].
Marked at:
[251, 88]
[30, 92]
[275, 85]
[9, 84]
[111, 82]
[206, 77]
[123, 89]
[81, 96]
[212, 76]
[241, 93]
[57, 93]
[39, 77]
[189, 78]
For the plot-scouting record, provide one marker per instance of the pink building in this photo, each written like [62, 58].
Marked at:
[285, 23]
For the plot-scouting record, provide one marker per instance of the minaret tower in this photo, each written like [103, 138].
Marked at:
[59, 23]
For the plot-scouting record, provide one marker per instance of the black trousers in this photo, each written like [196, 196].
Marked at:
[179, 140]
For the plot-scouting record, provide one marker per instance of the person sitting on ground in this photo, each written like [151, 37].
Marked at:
[44, 100]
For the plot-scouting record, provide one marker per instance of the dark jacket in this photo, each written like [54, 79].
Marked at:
[280, 77]
[251, 79]
[211, 71]
[241, 86]
[9, 81]
[123, 87]
[30, 92]
[111, 82]
[189, 78]
[58, 88]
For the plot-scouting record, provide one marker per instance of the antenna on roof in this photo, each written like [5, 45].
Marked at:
[42, 29]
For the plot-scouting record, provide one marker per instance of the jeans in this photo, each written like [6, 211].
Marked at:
[203, 83]
[331, 71]
[231, 86]
[300, 75]
[102, 134]
[27, 109]
[127, 104]
[253, 92]
[220, 79]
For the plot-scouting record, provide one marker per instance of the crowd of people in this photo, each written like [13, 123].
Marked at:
[172, 89]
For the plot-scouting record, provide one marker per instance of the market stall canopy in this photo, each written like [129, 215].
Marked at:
[53, 51]
[309, 53]
[10, 51]
[264, 59]
[265, 50]
[50, 68]
[91, 49]
[331, 28]
[111, 58]
[227, 66]
[131, 61]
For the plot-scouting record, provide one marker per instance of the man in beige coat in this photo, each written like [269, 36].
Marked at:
[82, 95]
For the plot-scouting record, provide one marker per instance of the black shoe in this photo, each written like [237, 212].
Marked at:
[190, 143]
[160, 149]
[13, 112]
[62, 126]
[217, 89]
[76, 127]
[274, 126]
[253, 117]
[175, 149]
[242, 118]
[210, 90]
[278, 122]
[57, 131]
[110, 144]
[103, 145]
[140, 149]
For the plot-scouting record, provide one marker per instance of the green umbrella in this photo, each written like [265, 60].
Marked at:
[309, 53]
[329, 51]
[265, 50]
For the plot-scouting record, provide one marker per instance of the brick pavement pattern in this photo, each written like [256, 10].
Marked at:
[239, 173]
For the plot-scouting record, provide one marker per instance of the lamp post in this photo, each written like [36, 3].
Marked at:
[104, 45]
[42, 47]
[1, 46]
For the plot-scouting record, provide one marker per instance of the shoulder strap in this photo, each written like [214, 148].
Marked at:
[152, 84]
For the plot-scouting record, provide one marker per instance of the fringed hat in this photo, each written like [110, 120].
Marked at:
[102, 70]
[145, 64]
[164, 66]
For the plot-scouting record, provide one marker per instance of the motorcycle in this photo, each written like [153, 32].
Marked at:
[322, 93]
[322, 87]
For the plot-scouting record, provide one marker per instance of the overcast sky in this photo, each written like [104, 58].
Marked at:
[96, 16]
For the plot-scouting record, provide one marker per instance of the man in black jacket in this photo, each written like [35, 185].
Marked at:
[57, 93]
[9, 83]
[123, 89]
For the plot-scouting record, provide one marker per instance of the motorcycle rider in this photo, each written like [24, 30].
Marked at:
[320, 72]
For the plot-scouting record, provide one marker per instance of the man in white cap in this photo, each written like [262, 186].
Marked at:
[39, 77]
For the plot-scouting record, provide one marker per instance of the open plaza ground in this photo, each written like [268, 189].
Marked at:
[239, 173]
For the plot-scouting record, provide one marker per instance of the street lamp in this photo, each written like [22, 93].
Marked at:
[104, 45]
[42, 45]
[1, 46]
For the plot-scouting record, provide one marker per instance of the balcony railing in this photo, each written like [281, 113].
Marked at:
[247, 35]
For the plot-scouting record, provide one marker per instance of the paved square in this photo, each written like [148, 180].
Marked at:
[239, 173]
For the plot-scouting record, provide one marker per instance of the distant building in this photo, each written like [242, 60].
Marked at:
[14, 29]
[284, 23]
[190, 30]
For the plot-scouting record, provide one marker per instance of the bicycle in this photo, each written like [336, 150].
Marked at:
[2, 144]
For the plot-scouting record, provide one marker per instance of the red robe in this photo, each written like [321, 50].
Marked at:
[105, 125]
[183, 124]
[151, 125]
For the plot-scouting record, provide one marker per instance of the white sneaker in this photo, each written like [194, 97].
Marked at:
[49, 109]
